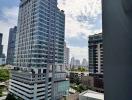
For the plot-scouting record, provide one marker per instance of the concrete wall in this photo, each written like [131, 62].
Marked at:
[117, 29]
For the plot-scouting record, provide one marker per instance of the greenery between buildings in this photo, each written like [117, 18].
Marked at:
[79, 88]
[80, 69]
[4, 75]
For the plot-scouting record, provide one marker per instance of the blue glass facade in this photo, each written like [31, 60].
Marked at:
[39, 47]
[63, 86]
[40, 37]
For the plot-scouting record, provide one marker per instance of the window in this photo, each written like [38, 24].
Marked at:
[44, 70]
[39, 71]
[50, 79]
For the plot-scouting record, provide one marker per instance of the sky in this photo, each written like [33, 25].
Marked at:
[83, 18]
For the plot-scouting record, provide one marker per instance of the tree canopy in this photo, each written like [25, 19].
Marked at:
[4, 75]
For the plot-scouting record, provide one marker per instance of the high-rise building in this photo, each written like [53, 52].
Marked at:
[84, 63]
[11, 45]
[96, 69]
[77, 63]
[2, 56]
[96, 54]
[39, 51]
[72, 63]
[66, 56]
[1, 46]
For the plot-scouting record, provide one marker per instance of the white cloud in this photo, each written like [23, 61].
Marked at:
[74, 8]
[8, 20]
[10, 12]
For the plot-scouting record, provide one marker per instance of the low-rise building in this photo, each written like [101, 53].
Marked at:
[2, 56]
[94, 82]
[76, 77]
[91, 95]
[97, 82]
[61, 83]
[74, 96]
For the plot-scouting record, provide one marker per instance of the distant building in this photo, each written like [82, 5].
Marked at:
[72, 63]
[76, 77]
[85, 63]
[85, 80]
[66, 56]
[1, 46]
[2, 56]
[11, 45]
[96, 54]
[77, 63]
[91, 95]
[2, 59]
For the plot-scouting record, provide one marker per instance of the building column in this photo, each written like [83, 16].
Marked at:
[117, 29]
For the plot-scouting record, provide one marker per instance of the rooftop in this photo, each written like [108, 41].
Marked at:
[92, 94]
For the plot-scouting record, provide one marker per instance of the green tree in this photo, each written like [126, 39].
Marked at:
[4, 75]
[81, 69]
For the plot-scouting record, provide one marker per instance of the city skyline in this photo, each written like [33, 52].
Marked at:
[84, 18]
[65, 50]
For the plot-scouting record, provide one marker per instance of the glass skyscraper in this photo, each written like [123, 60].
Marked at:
[1, 46]
[11, 45]
[39, 49]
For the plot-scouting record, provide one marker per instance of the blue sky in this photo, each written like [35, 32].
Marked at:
[83, 18]
[8, 3]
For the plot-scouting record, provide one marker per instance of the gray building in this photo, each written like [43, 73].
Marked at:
[66, 56]
[72, 63]
[96, 54]
[96, 69]
[1, 46]
[2, 56]
[11, 45]
[77, 63]
[39, 50]
[84, 63]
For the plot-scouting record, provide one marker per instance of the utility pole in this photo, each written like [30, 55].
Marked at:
[117, 29]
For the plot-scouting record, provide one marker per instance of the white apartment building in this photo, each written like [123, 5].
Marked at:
[66, 56]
